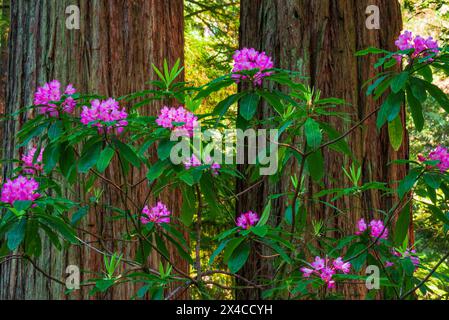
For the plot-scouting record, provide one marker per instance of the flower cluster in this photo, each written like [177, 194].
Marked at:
[215, 167]
[105, 111]
[250, 59]
[193, 162]
[183, 119]
[440, 154]
[420, 45]
[325, 269]
[50, 93]
[376, 227]
[409, 253]
[247, 220]
[157, 214]
[30, 166]
[19, 189]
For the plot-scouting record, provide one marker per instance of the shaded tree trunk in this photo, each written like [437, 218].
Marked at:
[319, 39]
[4, 14]
[111, 54]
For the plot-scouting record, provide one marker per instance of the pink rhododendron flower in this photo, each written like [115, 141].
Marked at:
[30, 166]
[157, 214]
[46, 96]
[105, 111]
[378, 230]
[361, 226]
[389, 264]
[326, 269]
[409, 253]
[318, 264]
[250, 59]
[192, 162]
[339, 264]
[307, 272]
[422, 47]
[19, 189]
[440, 154]
[168, 117]
[376, 227]
[215, 167]
[247, 220]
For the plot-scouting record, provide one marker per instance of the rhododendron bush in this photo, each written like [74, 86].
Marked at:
[73, 138]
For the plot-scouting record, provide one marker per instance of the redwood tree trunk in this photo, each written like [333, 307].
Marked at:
[110, 55]
[319, 39]
[4, 12]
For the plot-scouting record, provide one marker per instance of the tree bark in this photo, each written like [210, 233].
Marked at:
[4, 12]
[319, 39]
[111, 54]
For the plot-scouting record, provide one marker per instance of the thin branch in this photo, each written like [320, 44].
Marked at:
[434, 269]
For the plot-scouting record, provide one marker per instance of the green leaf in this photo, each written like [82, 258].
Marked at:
[187, 177]
[339, 146]
[214, 87]
[437, 94]
[188, 206]
[239, 257]
[22, 205]
[223, 106]
[359, 250]
[89, 157]
[260, 231]
[16, 234]
[217, 251]
[432, 180]
[333, 101]
[104, 284]
[78, 215]
[51, 156]
[248, 106]
[315, 164]
[164, 149]
[395, 132]
[55, 130]
[376, 83]
[408, 182]
[370, 50]
[418, 90]
[426, 72]
[104, 159]
[210, 195]
[402, 225]
[265, 215]
[390, 109]
[415, 109]
[156, 170]
[313, 133]
[233, 243]
[399, 81]
[273, 100]
[67, 163]
[60, 226]
[128, 153]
